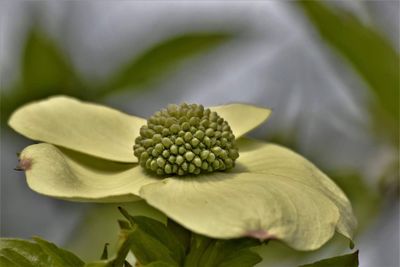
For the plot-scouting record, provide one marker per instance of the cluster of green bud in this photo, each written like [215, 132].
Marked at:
[186, 139]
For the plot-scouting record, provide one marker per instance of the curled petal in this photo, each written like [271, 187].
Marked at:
[88, 128]
[261, 157]
[66, 174]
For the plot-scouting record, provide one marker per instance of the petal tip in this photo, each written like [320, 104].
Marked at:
[260, 234]
[24, 164]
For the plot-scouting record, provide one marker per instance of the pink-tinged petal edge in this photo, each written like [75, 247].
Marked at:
[24, 164]
[260, 234]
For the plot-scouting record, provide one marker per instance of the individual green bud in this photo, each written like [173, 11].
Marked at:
[175, 128]
[199, 134]
[181, 150]
[191, 168]
[189, 156]
[166, 142]
[179, 141]
[153, 165]
[185, 166]
[204, 165]
[185, 139]
[179, 160]
[197, 161]
[157, 138]
[204, 154]
[168, 168]
[174, 149]
[160, 162]
[188, 136]
[195, 142]
[172, 159]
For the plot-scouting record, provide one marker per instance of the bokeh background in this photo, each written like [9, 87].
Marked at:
[329, 70]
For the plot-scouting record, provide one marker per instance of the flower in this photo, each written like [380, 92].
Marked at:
[271, 193]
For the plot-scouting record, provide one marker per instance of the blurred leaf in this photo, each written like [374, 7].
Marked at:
[59, 256]
[181, 234]
[86, 239]
[221, 253]
[159, 264]
[45, 71]
[161, 59]
[104, 254]
[17, 252]
[365, 200]
[349, 260]
[369, 52]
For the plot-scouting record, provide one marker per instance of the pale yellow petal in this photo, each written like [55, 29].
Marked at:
[67, 174]
[85, 127]
[242, 118]
[261, 157]
[231, 205]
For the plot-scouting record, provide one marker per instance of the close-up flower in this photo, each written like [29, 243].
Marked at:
[192, 163]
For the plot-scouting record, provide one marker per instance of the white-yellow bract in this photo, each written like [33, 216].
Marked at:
[272, 193]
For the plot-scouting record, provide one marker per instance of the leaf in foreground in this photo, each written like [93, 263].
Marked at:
[17, 252]
[349, 260]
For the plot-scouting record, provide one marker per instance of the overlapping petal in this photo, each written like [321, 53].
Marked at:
[102, 131]
[266, 158]
[224, 205]
[242, 118]
[67, 174]
[88, 128]
[272, 193]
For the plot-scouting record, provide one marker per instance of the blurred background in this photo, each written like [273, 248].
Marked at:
[329, 70]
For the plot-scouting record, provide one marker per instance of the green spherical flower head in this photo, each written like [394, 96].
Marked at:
[186, 139]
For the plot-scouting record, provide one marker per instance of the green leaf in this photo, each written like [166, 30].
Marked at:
[217, 253]
[23, 253]
[349, 260]
[104, 254]
[26, 249]
[198, 246]
[88, 243]
[161, 233]
[15, 258]
[375, 59]
[159, 264]
[45, 71]
[148, 249]
[161, 59]
[59, 256]
[182, 235]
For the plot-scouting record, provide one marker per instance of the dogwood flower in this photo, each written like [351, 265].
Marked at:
[263, 191]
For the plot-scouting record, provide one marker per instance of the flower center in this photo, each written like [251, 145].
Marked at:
[186, 139]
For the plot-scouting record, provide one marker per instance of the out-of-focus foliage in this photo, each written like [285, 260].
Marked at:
[365, 201]
[369, 52]
[86, 239]
[17, 253]
[46, 70]
[161, 59]
[349, 260]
